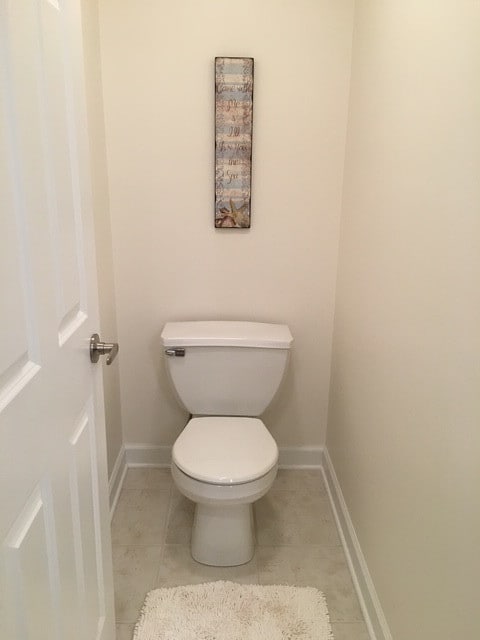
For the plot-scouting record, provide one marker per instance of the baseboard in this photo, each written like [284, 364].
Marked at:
[147, 455]
[300, 457]
[116, 479]
[367, 595]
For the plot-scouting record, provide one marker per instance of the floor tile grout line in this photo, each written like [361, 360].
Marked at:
[169, 513]
[136, 546]
[165, 533]
[159, 567]
[303, 545]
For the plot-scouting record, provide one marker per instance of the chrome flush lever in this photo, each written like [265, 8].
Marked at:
[175, 352]
[97, 349]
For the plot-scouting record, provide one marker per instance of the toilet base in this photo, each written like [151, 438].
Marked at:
[223, 536]
[223, 531]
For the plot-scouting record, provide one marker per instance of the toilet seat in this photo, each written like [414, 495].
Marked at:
[225, 450]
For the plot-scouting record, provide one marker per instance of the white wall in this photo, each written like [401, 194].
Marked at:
[106, 289]
[404, 418]
[170, 263]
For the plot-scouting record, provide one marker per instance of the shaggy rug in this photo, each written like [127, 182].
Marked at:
[229, 611]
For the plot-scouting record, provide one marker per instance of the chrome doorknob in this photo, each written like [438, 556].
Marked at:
[97, 349]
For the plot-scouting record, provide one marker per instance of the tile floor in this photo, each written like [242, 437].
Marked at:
[297, 543]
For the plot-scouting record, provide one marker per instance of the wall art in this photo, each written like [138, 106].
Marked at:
[233, 141]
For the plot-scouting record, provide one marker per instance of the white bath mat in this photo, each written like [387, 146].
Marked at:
[229, 611]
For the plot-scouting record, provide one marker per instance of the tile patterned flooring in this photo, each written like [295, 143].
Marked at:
[297, 543]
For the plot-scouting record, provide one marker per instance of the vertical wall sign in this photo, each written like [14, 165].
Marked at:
[233, 141]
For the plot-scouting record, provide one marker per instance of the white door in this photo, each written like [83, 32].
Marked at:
[56, 578]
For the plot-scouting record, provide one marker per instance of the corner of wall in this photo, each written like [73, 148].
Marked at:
[369, 602]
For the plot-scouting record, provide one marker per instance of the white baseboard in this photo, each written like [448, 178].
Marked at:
[116, 479]
[367, 595]
[147, 455]
[300, 457]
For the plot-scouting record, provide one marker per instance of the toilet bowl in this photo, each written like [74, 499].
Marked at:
[225, 374]
[224, 464]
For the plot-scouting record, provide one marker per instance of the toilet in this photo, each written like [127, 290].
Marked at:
[225, 374]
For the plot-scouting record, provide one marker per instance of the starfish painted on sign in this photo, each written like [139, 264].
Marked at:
[234, 217]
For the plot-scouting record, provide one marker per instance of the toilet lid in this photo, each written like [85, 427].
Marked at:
[225, 450]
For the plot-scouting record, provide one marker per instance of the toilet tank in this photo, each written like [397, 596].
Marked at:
[224, 367]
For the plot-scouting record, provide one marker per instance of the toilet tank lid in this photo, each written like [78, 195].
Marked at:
[226, 333]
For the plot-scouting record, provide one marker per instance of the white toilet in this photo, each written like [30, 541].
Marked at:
[225, 374]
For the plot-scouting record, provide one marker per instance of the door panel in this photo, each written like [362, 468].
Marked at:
[29, 568]
[85, 516]
[18, 353]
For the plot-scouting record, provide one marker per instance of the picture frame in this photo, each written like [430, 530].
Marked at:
[233, 141]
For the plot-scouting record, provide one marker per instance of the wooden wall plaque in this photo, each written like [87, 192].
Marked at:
[233, 141]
